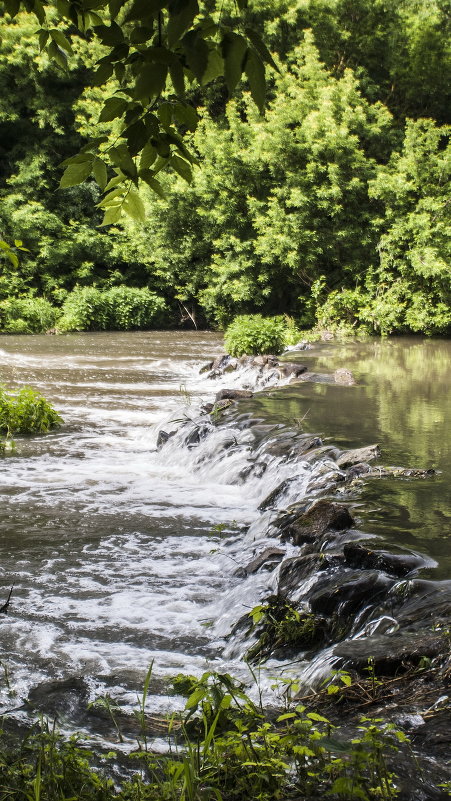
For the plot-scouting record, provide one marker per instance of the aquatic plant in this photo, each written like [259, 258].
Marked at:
[253, 333]
[26, 412]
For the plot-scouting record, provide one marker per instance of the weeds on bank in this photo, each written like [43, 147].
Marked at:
[226, 748]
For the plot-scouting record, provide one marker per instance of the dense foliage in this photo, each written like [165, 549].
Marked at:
[227, 752]
[26, 412]
[253, 333]
[333, 207]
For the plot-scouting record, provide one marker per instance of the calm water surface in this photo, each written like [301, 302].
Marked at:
[112, 544]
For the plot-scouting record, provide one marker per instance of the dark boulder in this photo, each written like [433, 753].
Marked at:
[399, 565]
[295, 571]
[163, 437]
[348, 592]
[391, 651]
[311, 525]
[66, 698]
[268, 559]
[274, 497]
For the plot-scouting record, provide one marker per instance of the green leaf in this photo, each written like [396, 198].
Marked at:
[61, 40]
[112, 198]
[112, 215]
[316, 717]
[234, 49]
[255, 72]
[148, 177]
[121, 157]
[12, 7]
[136, 136]
[39, 11]
[57, 55]
[115, 6]
[114, 107]
[79, 158]
[18, 243]
[215, 66]
[182, 168]
[177, 74]
[134, 206]
[261, 47]
[144, 10]
[110, 35]
[75, 174]
[43, 37]
[186, 115]
[102, 74]
[151, 81]
[165, 114]
[140, 34]
[196, 51]
[181, 18]
[99, 172]
[148, 156]
[118, 179]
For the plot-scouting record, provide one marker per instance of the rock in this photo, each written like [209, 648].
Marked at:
[220, 362]
[323, 516]
[220, 406]
[67, 697]
[292, 369]
[360, 469]
[358, 455]
[268, 559]
[163, 437]
[344, 376]
[256, 469]
[231, 366]
[294, 571]
[274, 496]
[233, 394]
[268, 358]
[399, 565]
[299, 346]
[206, 367]
[348, 592]
[206, 408]
[391, 651]
[305, 444]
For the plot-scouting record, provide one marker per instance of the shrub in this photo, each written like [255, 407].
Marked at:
[253, 333]
[26, 412]
[26, 315]
[119, 308]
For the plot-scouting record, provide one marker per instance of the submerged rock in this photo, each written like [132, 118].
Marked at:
[268, 559]
[61, 698]
[399, 565]
[391, 651]
[344, 376]
[312, 524]
[295, 571]
[348, 592]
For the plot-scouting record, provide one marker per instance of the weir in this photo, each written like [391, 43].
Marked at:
[126, 549]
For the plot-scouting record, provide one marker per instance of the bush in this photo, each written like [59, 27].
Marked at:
[26, 412]
[26, 315]
[253, 333]
[120, 308]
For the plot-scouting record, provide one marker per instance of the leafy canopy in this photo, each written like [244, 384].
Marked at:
[154, 52]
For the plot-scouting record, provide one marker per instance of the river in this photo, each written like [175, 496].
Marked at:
[121, 553]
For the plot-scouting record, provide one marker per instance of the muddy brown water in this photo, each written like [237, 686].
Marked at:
[117, 549]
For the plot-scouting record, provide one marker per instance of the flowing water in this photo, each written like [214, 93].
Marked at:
[122, 553]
